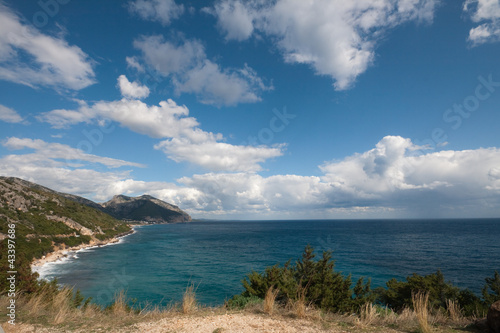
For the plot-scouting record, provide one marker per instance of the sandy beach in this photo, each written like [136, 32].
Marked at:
[62, 252]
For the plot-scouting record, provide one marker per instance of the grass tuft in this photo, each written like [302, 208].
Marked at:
[189, 300]
[454, 311]
[120, 308]
[270, 299]
[62, 304]
[420, 306]
[368, 314]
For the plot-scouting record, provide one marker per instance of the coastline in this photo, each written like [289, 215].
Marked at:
[63, 252]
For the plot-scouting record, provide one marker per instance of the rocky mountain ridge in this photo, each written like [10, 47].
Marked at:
[45, 221]
[21, 195]
[144, 208]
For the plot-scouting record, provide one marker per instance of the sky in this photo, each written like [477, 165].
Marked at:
[252, 109]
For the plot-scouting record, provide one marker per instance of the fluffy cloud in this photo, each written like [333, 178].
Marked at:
[52, 62]
[218, 156]
[162, 11]
[235, 19]
[395, 176]
[8, 115]
[165, 120]
[132, 89]
[394, 179]
[190, 71]
[487, 11]
[337, 38]
[185, 140]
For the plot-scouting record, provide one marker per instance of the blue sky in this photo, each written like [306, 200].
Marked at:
[257, 109]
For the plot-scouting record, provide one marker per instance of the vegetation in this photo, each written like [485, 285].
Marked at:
[309, 289]
[39, 216]
[313, 282]
[317, 283]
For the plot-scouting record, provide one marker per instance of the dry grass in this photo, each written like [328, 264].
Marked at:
[368, 314]
[120, 307]
[420, 306]
[189, 300]
[56, 310]
[61, 303]
[299, 306]
[454, 311]
[269, 301]
[36, 303]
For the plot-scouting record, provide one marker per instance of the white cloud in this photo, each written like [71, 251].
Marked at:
[162, 11]
[167, 58]
[191, 72]
[483, 9]
[132, 62]
[337, 38]
[235, 20]
[218, 156]
[132, 89]
[57, 154]
[391, 180]
[49, 62]
[185, 140]
[158, 121]
[8, 115]
[487, 11]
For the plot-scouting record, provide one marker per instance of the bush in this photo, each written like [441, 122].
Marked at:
[315, 281]
[398, 294]
[494, 285]
[241, 302]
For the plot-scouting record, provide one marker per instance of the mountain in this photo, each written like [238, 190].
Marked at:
[46, 220]
[144, 208]
[43, 220]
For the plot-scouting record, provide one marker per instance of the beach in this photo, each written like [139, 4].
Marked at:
[63, 252]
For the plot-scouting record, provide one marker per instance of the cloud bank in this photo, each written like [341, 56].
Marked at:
[393, 179]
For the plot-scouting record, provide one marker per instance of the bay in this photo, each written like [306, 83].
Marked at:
[157, 263]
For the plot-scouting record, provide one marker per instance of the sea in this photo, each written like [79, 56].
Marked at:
[156, 264]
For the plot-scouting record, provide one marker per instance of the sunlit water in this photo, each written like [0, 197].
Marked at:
[156, 263]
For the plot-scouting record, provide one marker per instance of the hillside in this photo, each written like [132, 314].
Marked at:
[46, 219]
[144, 208]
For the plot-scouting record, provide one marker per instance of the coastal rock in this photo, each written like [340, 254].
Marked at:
[72, 224]
[493, 317]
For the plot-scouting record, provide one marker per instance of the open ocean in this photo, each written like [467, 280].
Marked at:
[156, 263]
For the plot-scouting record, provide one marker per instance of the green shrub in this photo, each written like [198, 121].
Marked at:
[492, 284]
[398, 294]
[240, 301]
[321, 285]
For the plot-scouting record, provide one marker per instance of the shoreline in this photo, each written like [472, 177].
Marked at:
[61, 253]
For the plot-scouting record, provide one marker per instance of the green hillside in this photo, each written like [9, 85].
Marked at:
[45, 220]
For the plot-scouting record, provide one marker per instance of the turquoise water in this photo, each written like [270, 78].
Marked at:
[156, 263]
